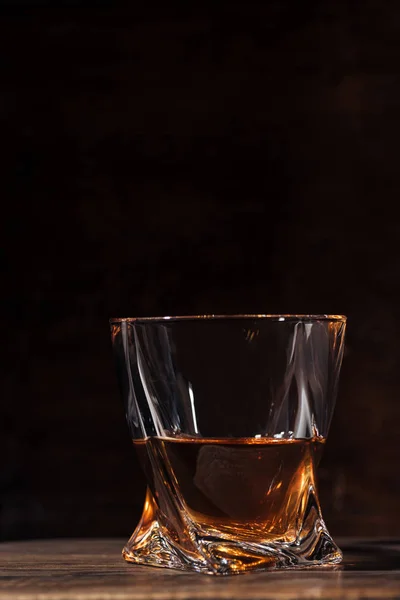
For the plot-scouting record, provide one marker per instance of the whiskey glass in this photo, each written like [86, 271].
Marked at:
[229, 415]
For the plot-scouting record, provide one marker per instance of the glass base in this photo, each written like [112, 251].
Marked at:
[218, 553]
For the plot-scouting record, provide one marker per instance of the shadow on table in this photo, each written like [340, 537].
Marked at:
[370, 555]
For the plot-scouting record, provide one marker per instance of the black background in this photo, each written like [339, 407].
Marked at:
[186, 158]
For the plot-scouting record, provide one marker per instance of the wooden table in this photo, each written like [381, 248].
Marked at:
[94, 570]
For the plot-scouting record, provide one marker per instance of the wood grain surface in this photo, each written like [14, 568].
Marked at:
[94, 570]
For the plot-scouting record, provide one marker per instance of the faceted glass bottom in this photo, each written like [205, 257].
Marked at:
[178, 542]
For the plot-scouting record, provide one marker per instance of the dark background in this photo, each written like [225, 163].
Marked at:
[181, 158]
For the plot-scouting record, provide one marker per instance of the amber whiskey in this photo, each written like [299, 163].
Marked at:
[256, 487]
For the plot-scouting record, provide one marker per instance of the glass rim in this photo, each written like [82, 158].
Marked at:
[213, 317]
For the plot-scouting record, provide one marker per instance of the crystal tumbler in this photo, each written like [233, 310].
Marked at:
[229, 416]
